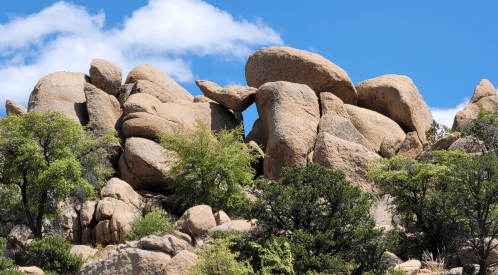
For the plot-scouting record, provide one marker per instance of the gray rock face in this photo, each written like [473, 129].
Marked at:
[103, 109]
[168, 244]
[445, 142]
[19, 236]
[237, 98]
[290, 115]
[62, 92]
[343, 129]
[297, 66]
[105, 75]
[14, 108]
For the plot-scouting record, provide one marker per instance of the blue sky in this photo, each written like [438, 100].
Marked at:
[446, 47]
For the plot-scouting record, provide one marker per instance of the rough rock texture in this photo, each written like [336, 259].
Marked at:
[332, 104]
[236, 225]
[141, 103]
[180, 263]
[62, 92]
[297, 66]
[380, 211]
[202, 98]
[445, 142]
[103, 109]
[168, 244]
[374, 126]
[105, 208]
[396, 97]
[145, 125]
[14, 108]
[148, 87]
[257, 134]
[71, 225]
[144, 163]
[342, 128]
[105, 75]
[87, 213]
[470, 144]
[171, 89]
[19, 236]
[237, 98]
[388, 144]
[31, 270]
[391, 258]
[197, 220]
[85, 251]
[349, 157]
[221, 218]
[123, 92]
[485, 93]
[290, 115]
[411, 146]
[121, 190]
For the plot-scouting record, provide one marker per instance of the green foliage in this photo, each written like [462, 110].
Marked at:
[484, 127]
[434, 133]
[210, 167]
[276, 257]
[7, 266]
[324, 218]
[52, 253]
[45, 158]
[155, 223]
[217, 259]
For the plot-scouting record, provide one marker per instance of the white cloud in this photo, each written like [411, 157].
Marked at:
[447, 115]
[165, 33]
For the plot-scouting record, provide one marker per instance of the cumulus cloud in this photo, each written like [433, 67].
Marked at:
[447, 115]
[164, 33]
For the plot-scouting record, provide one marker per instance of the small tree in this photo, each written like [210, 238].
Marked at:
[42, 161]
[209, 168]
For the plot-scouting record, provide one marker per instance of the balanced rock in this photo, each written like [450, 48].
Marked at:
[14, 108]
[374, 127]
[342, 128]
[103, 109]
[87, 213]
[106, 76]
[62, 92]
[485, 93]
[297, 66]
[149, 87]
[144, 163]
[171, 90]
[290, 115]
[197, 220]
[331, 104]
[349, 157]
[237, 98]
[396, 97]
[411, 146]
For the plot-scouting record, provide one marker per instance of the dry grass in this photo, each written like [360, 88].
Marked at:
[434, 265]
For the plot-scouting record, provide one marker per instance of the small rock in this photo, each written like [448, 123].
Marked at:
[197, 220]
[14, 108]
[221, 218]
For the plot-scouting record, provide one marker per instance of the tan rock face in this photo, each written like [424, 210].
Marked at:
[146, 163]
[14, 108]
[332, 104]
[181, 263]
[123, 92]
[87, 213]
[167, 244]
[149, 87]
[236, 225]
[445, 142]
[31, 270]
[297, 66]
[85, 251]
[142, 102]
[145, 125]
[411, 146]
[105, 75]
[388, 144]
[396, 97]
[121, 190]
[290, 115]
[237, 98]
[374, 126]
[105, 208]
[62, 92]
[221, 218]
[171, 89]
[103, 109]
[349, 157]
[485, 93]
[197, 220]
[343, 129]
[203, 98]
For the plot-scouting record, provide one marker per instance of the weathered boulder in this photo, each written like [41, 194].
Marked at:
[257, 134]
[297, 66]
[332, 104]
[121, 190]
[106, 76]
[103, 232]
[85, 251]
[168, 244]
[221, 218]
[71, 225]
[349, 157]
[62, 92]
[237, 98]
[391, 259]
[470, 144]
[171, 90]
[181, 263]
[485, 93]
[142, 102]
[411, 146]
[123, 92]
[87, 213]
[202, 98]
[103, 109]
[390, 144]
[144, 163]
[19, 236]
[197, 220]
[31, 270]
[396, 97]
[235, 225]
[381, 211]
[105, 208]
[146, 125]
[290, 115]
[445, 142]
[14, 108]
[374, 126]
[342, 128]
[409, 266]
[148, 87]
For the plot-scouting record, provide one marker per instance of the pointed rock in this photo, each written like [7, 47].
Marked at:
[14, 108]
[236, 98]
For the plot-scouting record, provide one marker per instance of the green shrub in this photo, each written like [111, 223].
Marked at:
[217, 259]
[52, 253]
[155, 223]
[276, 257]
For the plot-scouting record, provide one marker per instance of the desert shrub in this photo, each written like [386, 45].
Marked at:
[484, 127]
[52, 253]
[154, 223]
[276, 257]
[217, 259]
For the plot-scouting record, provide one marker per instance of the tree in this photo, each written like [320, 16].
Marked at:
[45, 158]
[208, 167]
[324, 217]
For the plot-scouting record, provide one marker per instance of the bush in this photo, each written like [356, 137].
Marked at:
[7, 266]
[324, 218]
[276, 257]
[155, 223]
[52, 253]
[484, 127]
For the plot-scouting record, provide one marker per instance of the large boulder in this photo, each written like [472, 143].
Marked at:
[148, 87]
[106, 76]
[83, 250]
[470, 144]
[411, 146]
[350, 157]
[290, 115]
[62, 92]
[236, 225]
[14, 108]
[342, 128]
[374, 127]
[19, 236]
[331, 104]
[103, 109]
[71, 225]
[237, 98]
[297, 66]
[144, 163]
[171, 90]
[181, 263]
[167, 243]
[396, 97]
[197, 220]
[484, 93]
[445, 142]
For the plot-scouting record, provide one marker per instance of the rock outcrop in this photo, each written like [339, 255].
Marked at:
[297, 66]
[331, 104]
[411, 146]
[236, 98]
[106, 76]
[14, 108]
[103, 109]
[342, 128]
